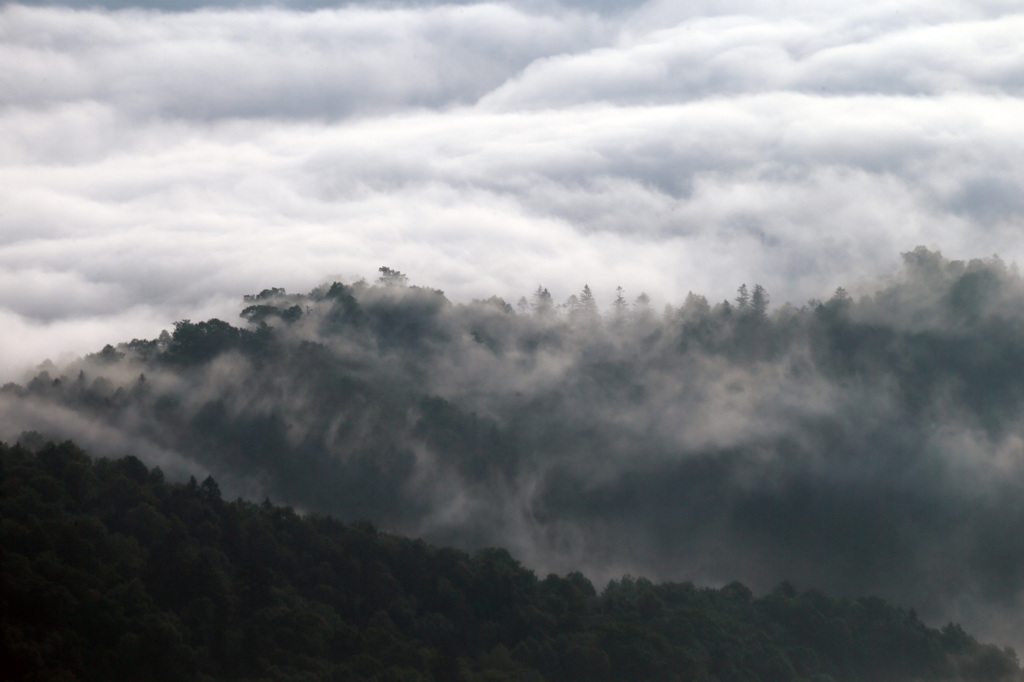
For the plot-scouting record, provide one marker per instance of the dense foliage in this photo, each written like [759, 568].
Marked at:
[109, 572]
[863, 443]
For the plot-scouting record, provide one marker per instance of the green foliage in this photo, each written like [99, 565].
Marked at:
[109, 572]
[194, 342]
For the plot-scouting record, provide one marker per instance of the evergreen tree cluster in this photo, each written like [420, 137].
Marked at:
[109, 572]
[863, 443]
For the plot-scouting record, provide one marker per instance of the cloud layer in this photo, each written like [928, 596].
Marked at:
[154, 161]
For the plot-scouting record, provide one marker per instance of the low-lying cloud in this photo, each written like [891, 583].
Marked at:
[160, 159]
[868, 444]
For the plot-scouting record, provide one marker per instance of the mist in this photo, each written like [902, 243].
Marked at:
[864, 443]
[159, 162]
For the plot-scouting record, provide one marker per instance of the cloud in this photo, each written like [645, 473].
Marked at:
[722, 56]
[28, 342]
[794, 192]
[272, 63]
[20, 416]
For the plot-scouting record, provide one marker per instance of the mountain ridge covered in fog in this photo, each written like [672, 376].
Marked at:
[867, 443]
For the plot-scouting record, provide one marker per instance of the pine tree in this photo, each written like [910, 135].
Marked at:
[588, 306]
[759, 301]
[743, 299]
[543, 304]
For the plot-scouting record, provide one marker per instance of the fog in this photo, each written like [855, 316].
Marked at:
[157, 162]
[865, 444]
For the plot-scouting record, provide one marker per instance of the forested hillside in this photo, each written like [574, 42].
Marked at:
[869, 442]
[109, 572]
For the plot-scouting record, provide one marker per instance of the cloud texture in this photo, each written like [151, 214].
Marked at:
[154, 161]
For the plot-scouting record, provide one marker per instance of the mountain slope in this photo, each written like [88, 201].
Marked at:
[110, 572]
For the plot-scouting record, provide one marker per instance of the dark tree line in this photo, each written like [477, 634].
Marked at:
[108, 571]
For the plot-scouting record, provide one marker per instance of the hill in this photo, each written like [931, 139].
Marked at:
[865, 443]
[110, 572]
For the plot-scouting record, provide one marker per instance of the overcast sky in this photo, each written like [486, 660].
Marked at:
[155, 164]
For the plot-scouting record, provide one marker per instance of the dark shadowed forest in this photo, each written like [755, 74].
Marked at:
[867, 443]
[109, 572]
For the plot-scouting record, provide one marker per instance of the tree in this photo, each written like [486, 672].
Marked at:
[759, 301]
[201, 341]
[695, 306]
[543, 304]
[391, 278]
[209, 490]
[572, 306]
[588, 306]
[743, 299]
[619, 305]
[643, 314]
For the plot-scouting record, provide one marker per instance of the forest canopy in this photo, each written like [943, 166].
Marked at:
[110, 572]
[865, 443]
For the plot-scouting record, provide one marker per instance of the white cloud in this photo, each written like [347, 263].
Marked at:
[157, 162]
[274, 63]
